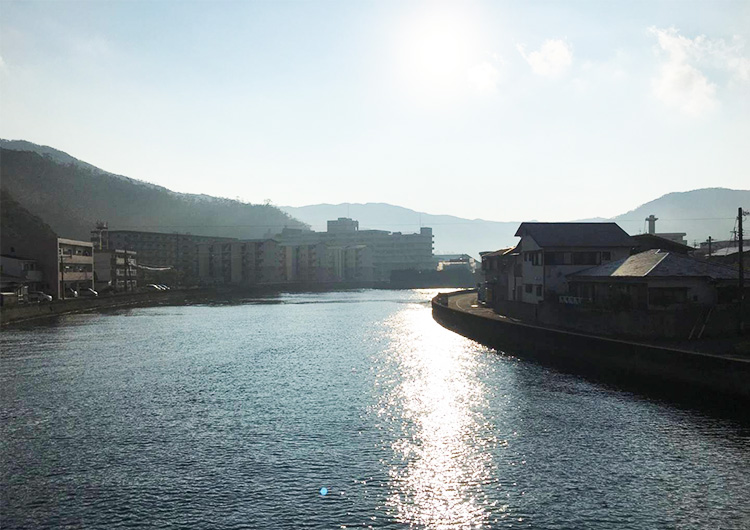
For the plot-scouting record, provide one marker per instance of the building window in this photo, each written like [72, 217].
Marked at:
[539, 290]
[606, 256]
[534, 257]
[585, 258]
[528, 288]
[667, 296]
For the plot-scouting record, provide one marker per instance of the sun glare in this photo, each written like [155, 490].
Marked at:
[437, 472]
[436, 51]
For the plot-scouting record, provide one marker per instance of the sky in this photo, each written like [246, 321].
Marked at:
[497, 110]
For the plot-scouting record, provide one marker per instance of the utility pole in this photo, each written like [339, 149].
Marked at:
[742, 272]
[127, 270]
[62, 275]
[709, 246]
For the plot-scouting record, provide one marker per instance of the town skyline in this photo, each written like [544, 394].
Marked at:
[443, 107]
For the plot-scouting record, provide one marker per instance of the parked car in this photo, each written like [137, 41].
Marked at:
[163, 287]
[88, 291]
[71, 293]
[39, 296]
[154, 287]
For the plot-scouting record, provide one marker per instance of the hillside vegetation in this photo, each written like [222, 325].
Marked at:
[18, 224]
[71, 196]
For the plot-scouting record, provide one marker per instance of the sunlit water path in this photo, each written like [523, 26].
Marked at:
[236, 416]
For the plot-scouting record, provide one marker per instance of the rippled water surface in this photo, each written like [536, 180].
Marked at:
[236, 416]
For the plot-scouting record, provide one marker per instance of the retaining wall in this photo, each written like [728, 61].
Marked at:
[630, 363]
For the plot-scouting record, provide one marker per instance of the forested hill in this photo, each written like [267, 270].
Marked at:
[18, 224]
[71, 196]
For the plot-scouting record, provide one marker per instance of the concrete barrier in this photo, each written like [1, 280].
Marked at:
[711, 378]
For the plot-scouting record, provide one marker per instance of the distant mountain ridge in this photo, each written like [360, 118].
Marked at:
[71, 195]
[453, 234]
[699, 213]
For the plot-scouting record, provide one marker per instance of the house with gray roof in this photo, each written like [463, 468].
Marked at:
[549, 252]
[655, 279]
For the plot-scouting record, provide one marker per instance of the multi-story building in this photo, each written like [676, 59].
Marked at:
[240, 262]
[76, 270]
[21, 272]
[259, 262]
[389, 250]
[115, 269]
[162, 250]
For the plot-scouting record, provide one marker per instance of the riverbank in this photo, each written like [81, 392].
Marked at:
[27, 312]
[12, 314]
[712, 371]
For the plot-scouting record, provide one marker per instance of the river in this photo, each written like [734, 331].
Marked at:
[338, 410]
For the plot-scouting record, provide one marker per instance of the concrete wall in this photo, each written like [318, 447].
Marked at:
[643, 324]
[662, 370]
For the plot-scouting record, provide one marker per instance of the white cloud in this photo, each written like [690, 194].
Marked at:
[551, 60]
[484, 77]
[683, 86]
[683, 82]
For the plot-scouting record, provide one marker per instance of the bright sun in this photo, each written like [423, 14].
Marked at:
[436, 51]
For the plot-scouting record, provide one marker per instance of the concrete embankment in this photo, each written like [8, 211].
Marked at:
[719, 378]
[32, 311]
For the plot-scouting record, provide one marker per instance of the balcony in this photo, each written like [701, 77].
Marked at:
[77, 276]
[77, 258]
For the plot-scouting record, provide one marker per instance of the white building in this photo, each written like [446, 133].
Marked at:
[389, 250]
[548, 252]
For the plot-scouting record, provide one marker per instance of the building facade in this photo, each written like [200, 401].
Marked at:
[76, 270]
[115, 270]
[549, 252]
[389, 251]
[160, 250]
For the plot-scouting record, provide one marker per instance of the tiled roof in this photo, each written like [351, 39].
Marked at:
[576, 234]
[658, 263]
[501, 252]
[650, 241]
[729, 251]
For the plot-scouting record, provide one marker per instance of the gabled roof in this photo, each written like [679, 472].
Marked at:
[658, 263]
[654, 241]
[501, 252]
[729, 251]
[576, 234]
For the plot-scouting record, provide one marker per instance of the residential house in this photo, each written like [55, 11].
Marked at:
[644, 242]
[549, 252]
[655, 280]
[498, 268]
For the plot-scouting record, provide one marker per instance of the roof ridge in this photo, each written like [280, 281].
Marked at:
[657, 251]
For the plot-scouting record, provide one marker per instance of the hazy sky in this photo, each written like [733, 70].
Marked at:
[500, 110]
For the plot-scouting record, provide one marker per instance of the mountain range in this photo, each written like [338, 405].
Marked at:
[698, 213]
[70, 195]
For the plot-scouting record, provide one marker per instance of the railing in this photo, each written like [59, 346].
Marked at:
[77, 258]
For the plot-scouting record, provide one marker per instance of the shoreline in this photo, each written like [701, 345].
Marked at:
[30, 312]
[709, 377]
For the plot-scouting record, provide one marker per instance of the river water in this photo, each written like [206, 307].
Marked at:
[237, 416]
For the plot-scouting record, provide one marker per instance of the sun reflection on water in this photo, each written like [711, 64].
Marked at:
[440, 440]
